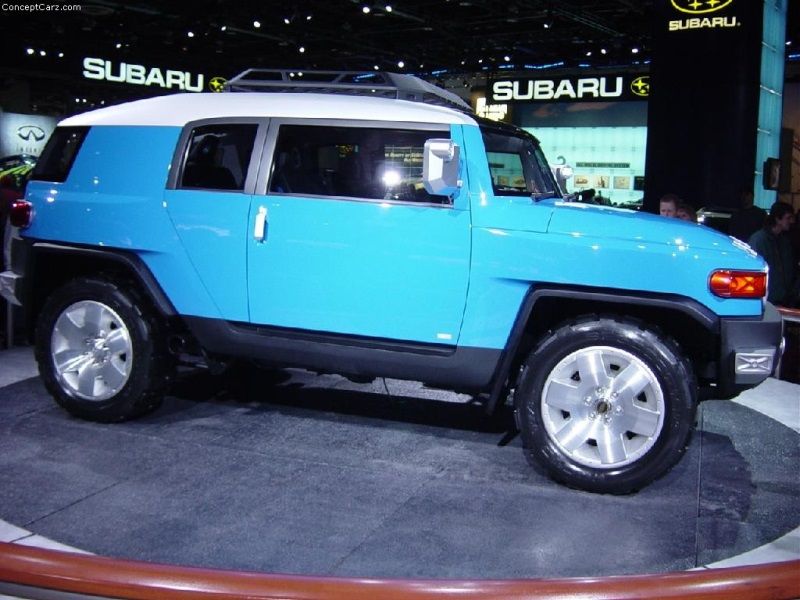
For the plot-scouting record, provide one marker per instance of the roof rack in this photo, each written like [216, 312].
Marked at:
[360, 83]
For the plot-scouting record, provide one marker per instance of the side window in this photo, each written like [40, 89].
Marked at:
[517, 165]
[59, 153]
[218, 156]
[355, 162]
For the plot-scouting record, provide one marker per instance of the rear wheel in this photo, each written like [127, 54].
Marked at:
[605, 404]
[100, 352]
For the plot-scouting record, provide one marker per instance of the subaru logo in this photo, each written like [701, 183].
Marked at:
[30, 133]
[217, 84]
[641, 86]
[695, 7]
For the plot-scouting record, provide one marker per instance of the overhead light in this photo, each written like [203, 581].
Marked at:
[42, 53]
[589, 53]
[190, 34]
[463, 62]
[388, 8]
[602, 51]
[256, 24]
[365, 9]
[287, 20]
[376, 67]
[118, 45]
[401, 64]
[634, 51]
[30, 50]
[301, 49]
[788, 42]
[480, 61]
[60, 55]
[547, 25]
[506, 58]
[224, 28]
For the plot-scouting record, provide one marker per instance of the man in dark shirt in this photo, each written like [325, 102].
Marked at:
[748, 219]
[772, 243]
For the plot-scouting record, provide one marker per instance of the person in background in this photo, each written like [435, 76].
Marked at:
[668, 205]
[773, 244]
[685, 212]
[748, 219]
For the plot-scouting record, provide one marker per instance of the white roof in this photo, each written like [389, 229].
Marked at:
[179, 109]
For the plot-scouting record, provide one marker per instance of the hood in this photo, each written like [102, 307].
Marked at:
[587, 220]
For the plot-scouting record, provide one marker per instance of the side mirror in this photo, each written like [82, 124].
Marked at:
[440, 167]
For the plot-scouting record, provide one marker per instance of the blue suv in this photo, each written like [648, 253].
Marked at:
[371, 225]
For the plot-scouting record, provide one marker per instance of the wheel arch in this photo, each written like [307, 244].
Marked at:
[692, 325]
[56, 264]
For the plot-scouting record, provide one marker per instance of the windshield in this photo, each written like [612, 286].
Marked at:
[517, 165]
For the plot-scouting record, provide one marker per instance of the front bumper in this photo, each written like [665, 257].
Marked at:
[750, 349]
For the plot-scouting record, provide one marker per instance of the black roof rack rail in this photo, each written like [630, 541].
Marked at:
[359, 83]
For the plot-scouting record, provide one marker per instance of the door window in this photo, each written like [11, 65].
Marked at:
[218, 156]
[355, 162]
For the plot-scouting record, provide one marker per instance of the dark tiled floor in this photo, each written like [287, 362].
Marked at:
[295, 473]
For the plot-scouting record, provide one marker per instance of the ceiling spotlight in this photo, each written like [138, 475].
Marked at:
[547, 24]
[480, 61]
[388, 8]
[602, 51]
[224, 28]
[60, 55]
[376, 67]
[301, 49]
[366, 10]
[401, 64]
[29, 50]
[42, 53]
[118, 46]
[634, 51]
[287, 20]
[308, 17]
[506, 58]
[190, 34]
[256, 24]
[589, 53]
[788, 42]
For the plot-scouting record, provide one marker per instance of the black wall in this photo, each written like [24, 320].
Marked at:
[703, 108]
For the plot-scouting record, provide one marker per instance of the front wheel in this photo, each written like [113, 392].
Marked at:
[605, 404]
[99, 351]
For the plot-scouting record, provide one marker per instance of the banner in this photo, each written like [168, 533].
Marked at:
[24, 134]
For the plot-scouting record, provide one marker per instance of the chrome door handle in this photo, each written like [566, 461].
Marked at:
[261, 224]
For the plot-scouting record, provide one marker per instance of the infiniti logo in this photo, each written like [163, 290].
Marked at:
[30, 133]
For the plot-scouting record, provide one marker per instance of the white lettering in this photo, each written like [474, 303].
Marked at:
[93, 68]
[154, 77]
[174, 77]
[564, 89]
[543, 89]
[588, 86]
[523, 96]
[194, 88]
[704, 23]
[135, 74]
[109, 72]
[501, 91]
[605, 93]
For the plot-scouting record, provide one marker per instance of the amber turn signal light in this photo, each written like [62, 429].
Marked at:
[738, 284]
[21, 214]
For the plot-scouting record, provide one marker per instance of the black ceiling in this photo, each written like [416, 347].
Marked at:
[435, 38]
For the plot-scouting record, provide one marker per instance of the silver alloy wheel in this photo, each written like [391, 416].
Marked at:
[91, 351]
[603, 407]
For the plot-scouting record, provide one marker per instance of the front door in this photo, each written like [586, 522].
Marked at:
[346, 240]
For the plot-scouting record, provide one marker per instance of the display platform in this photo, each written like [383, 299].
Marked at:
[285, 471]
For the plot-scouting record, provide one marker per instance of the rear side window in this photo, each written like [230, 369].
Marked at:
[357, 162]
[218, 156]
[59, 153]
